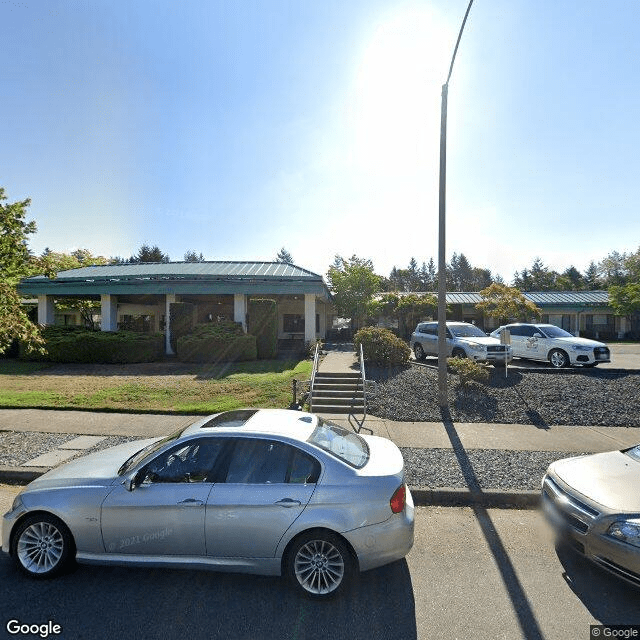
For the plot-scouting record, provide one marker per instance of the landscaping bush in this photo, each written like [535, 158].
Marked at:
[217, 342]
[77, 344]
[262, 322]
[380, 346]
[468, 371]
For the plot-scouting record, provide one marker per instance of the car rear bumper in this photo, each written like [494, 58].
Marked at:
[385, 542]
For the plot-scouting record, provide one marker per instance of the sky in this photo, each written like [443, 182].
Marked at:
[235, 128]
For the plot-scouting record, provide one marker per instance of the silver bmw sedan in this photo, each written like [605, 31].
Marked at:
[264, 491]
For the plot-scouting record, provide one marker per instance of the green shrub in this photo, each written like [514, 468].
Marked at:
[468, 371]
[380, 346]
[77, 344]
[217, 342]
[262, 322]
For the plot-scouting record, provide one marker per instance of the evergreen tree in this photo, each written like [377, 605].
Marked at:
[147, 253]
[284, 256]
[192, 256]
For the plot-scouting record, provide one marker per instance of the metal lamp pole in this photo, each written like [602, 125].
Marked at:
[442, 260]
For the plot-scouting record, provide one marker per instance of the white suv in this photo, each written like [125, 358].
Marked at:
[550, 343]
[464, 340]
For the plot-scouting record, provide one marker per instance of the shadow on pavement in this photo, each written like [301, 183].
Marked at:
[608, 599]
[520, 603]
[112, 602]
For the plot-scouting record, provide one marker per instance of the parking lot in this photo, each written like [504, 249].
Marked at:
[623, 356]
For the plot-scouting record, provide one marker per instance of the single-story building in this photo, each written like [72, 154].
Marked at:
[141, 294]
[585, 313]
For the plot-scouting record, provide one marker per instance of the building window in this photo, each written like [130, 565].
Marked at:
[143, 323]
[293, 323]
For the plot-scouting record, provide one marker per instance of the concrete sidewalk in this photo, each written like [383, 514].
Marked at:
[90, 428]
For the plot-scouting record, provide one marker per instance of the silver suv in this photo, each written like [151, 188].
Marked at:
[464, 340]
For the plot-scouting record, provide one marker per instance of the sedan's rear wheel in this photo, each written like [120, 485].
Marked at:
[558, 359]
[42, 546]
[320, 564]
[419, 351]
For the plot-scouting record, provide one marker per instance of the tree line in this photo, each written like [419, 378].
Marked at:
[616, 269]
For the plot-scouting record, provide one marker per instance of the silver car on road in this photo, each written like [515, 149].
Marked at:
[256, 491]
[593, 502]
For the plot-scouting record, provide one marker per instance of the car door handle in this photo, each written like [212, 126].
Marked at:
[191, 502]
[288, 502]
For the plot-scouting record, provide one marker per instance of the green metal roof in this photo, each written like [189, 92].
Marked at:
[180, 277]
[541, 298]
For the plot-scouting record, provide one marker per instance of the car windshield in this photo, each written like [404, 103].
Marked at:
[341, 443]
[139, 456]
[466, 331]
[555, 332]
[634, 452]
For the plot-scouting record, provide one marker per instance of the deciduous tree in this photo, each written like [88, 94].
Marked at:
[14, 264]
[506, 304]
[353, 284]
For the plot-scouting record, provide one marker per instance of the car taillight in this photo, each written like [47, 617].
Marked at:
[398, 499]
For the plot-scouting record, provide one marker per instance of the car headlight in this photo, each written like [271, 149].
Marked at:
[17, 503]
[626, 530]
[477, 347]
[581, 347]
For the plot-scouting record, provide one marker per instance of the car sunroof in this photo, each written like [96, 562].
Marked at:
[230, 419]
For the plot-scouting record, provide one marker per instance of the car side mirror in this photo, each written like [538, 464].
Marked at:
[537, 335]
[131, 481]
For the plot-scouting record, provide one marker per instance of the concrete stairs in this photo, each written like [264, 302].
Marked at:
[338, 393]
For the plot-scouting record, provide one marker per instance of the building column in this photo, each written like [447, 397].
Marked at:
[309, 317]
[323, 321]
[622, 329]
[46, 310]
[577, 331]
[109, 312]
[170, 298]
[240, 309]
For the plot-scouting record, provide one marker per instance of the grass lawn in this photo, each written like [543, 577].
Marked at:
[150, 387]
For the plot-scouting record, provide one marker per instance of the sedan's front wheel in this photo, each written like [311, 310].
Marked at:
[42, 546]
[558, 359]
[320, 564]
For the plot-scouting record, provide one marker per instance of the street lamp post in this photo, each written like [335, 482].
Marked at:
[442, 260]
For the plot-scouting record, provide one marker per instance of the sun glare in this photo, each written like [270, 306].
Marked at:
[397, 107]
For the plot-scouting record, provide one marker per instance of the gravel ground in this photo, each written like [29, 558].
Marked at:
[18, 447]
[567, 397]
[488, 468]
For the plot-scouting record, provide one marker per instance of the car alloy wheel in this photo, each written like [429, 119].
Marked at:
[459, 353]
[419, 351]
[558, 359]
[320, 564]
[42, 546]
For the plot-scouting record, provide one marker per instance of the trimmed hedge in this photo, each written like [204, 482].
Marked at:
[380, 346]
[77, 344]
[217, 342]
[262, 322]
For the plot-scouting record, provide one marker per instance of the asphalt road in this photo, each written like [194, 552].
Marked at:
[482, 574]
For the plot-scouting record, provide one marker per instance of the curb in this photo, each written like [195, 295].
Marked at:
[489, 498]
[19, 475]
[422, 497]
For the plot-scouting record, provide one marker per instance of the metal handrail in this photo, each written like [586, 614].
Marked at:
[316, 355]
[364, 383]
